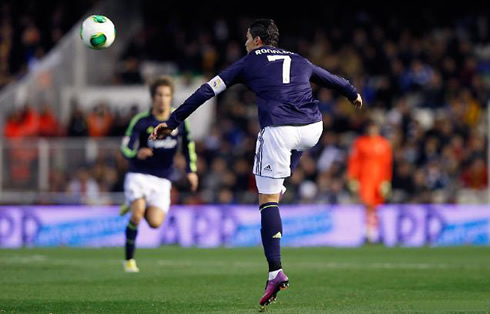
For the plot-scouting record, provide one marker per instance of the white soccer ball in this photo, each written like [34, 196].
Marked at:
[97, 32]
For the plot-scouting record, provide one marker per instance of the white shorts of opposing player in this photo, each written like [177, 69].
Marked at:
[273, 153]
[155, 190]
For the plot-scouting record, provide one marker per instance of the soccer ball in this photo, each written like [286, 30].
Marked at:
[97, 32]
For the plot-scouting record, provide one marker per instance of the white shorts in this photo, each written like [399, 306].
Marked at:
[273, 152]
[155, 190]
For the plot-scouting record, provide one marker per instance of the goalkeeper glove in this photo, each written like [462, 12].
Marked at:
[353, 185]
[385, 189]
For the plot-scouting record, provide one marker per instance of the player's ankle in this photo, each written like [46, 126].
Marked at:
[273, 274]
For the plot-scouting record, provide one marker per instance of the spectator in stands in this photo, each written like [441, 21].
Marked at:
[475, 176]
[13, 125]
[99, 122]
[130, 71]
[30, 121]
[83, 188]
[48, 123]
[77, 123]
[21, 155]
[121, 121]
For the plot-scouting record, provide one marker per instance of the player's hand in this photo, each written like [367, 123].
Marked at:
[193, 180]
[160, 131]
[385, 189]
[358, 101]
[144, 153]
[353, 185]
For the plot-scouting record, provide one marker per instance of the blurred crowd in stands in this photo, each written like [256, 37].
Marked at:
[29, 29]
[425, 81]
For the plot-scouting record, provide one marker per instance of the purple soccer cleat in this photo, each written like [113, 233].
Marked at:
[272, 287]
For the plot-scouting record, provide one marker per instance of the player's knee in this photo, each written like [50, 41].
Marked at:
[154, 216]
[154, 224]
[268, 198]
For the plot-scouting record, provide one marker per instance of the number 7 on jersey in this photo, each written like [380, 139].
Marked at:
[286, 66]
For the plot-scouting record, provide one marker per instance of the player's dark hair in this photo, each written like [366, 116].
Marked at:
[267, 30]
[161, 81]
[369, 123]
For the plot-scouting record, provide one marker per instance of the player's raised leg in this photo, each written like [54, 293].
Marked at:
[137, 212]
[155, 216]
[158, 201]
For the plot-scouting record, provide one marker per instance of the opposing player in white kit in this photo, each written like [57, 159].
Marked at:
[290, 122]
[147, 185]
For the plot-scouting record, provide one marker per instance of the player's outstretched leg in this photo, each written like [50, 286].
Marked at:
[271, 233]
[130, 264]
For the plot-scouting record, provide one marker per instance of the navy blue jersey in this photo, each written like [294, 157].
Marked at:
[161, 163]
[281, 82]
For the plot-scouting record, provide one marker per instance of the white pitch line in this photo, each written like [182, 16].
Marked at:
[34, 259]
[16, 259]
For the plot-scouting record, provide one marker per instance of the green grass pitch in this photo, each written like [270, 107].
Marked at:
[371, 279]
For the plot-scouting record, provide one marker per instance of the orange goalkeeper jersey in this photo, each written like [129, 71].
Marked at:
[370, 164]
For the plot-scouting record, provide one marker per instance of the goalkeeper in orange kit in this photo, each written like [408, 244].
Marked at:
[369, 173]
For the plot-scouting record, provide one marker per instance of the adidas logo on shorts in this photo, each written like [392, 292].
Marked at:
[268, 168]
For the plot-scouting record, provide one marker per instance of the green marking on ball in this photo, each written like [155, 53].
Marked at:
[99, 19]
[98, 40]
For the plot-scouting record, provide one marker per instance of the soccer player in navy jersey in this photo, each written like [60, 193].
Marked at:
[290, 122]
[147, 184]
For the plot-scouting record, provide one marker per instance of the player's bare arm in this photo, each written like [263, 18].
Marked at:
[193, 181]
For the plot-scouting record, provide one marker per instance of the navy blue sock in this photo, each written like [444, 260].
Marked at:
[131, 232]
[271, 232]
